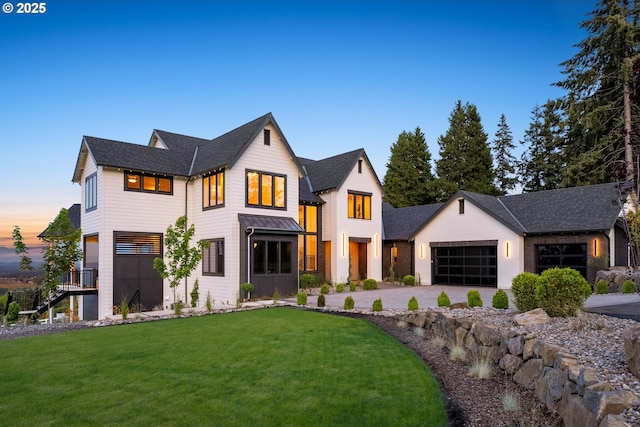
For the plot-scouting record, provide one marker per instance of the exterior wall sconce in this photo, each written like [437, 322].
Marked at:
[376, 245]
[507, 252]
[344, 247]
[421, 250]
[595, 248]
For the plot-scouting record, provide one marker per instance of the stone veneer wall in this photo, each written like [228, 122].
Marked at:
[559, 382]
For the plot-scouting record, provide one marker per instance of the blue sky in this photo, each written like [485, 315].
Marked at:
[337, 75]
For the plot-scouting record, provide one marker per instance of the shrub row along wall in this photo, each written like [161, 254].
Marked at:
[559, 382]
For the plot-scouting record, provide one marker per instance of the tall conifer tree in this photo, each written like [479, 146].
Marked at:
[505, 161]
[465, 156]
[409, 180]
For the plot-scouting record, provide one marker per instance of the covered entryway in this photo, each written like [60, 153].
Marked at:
[272, 262]
[359, 259]
[465, 264]
[134, 277]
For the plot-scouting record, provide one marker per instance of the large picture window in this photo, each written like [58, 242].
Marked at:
[308, 242]
[91, 192]
[272, 257]
[213, 258]
[359, 205]
[213, 190]
[266, 190]
[136, 181]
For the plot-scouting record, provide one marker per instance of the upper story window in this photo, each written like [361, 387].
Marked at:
[360, 166]
[91, 192]
[136, 181]
[461, 206]
[359, 205]
[267, 137]
[266, 190]
[213, 190]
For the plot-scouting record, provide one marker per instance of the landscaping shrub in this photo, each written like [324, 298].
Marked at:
[588, 290]
[247, 288]
[560, 291]
[629, 287]
[370, 284]
[443, 300]
[413, 304]
[195, 294]
[340, 288]
[321, 300]
[324, 289]
[523, 287]
[353, 286]
[409, 280]
[3, 302]
[602, 287]
[474, 299]
[13, 311]
[500, 300]
[302, 298]
[349, 303]
[307, 281]
[377, 305]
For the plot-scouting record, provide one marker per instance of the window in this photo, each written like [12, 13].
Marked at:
[267, 137]
[213, 190]
[461, 206]
[136, 181]
[91, 192]
[359, 205]
[308, 241]
[138, 244]
[266, 190]
[272, 257]
[360, 166]
[213, 258]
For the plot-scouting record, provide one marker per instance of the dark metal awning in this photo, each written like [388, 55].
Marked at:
[269, 224]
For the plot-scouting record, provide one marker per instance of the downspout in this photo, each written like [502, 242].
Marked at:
[186, 186]
[253, 230]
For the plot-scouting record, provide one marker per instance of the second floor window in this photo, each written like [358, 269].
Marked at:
[213, 190]
[135, 181]
[91, 192]
[266, 190]
[359, 205]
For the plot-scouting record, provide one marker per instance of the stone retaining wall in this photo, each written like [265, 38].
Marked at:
[573, 391]
[615, 277]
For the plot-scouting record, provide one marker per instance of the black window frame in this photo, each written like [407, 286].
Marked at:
[141, 189]
[267, 137]
[260, 204]
[365, 196]
[91, 192]
[206, 189]
[266, 248]
[218, 244]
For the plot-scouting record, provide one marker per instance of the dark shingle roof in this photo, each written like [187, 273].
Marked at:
[575, 209]
[403, 223]
[305, 194]
[184, 155]
[74, 216]
[330, 173]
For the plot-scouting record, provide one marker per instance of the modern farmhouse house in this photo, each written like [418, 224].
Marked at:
[267, 214]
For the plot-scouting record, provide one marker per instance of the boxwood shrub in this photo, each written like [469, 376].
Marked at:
[370, 284]
[409, 280]
[602, 287]
[413, 304]
[560, 291]
[500, 300]
[302, 298]
[523, 287]
[340, 287]
[377, 305]
[474, 299]
[349, 303]
[321, 300]
[324, 289]
[629, 287]
[443, 300]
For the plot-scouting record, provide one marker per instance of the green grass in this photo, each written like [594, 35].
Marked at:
[278, 367]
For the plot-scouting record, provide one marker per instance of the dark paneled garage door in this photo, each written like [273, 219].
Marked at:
[465, 265]
[570, 255]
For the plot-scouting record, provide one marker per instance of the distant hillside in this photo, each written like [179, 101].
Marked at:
[12, 269]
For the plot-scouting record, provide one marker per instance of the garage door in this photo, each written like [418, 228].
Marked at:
[465, 265]
[572, 255]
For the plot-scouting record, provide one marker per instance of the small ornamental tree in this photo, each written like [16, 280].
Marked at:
[181, 258]
[60, 254]
[21, 249]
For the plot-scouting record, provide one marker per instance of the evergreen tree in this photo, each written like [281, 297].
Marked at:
[598, 104]
[542, 165]
[465, 156]
[505, 161]
[409, 180]
[542, 162]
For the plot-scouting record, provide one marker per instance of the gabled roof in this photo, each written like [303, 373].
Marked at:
[575, 209]
[184, 155]
[330, 173]
[305, 195]
[593, 208]
[403, 223]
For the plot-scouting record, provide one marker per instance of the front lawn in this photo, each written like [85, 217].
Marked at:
[271, 367]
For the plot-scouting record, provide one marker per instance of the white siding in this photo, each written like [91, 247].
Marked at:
[473, 225]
